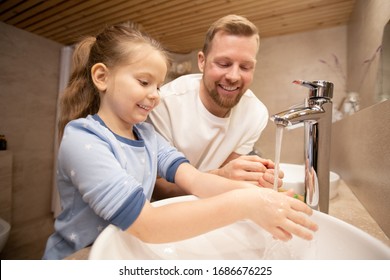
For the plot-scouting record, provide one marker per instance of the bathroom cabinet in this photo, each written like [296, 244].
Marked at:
[6, 185]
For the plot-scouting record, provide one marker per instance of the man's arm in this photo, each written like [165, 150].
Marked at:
[251, 168]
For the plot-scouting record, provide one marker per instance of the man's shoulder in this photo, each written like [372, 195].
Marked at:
[251, 100]
[252, 108]
[182, 85]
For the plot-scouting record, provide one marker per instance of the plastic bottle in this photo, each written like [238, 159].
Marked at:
[3, 142]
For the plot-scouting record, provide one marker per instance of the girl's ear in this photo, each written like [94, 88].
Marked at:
[201, 61]
[99, 73]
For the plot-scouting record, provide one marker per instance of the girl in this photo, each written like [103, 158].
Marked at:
[109, 158]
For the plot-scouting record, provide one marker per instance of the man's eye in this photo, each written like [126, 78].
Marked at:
[223, 64]
[246, 67]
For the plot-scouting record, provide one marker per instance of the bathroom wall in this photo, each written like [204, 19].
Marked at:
[28, 95]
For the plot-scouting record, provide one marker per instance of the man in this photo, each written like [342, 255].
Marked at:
[213, 117]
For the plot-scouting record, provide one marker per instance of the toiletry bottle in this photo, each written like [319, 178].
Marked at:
[3, 142]
[351, 103]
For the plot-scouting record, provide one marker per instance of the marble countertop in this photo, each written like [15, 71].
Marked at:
[345, 206]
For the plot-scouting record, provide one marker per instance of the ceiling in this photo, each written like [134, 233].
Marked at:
[179, 24]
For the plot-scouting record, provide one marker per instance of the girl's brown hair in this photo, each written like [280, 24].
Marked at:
[114, 45]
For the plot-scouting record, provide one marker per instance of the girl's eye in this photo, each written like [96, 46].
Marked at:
[143, 83]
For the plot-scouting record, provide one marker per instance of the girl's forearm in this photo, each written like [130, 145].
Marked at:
[279, 214]
[205, 184]
[178, 221]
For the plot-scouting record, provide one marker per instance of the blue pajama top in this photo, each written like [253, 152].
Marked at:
[104, 179]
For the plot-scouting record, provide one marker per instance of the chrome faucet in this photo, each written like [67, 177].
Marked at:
[316, 114]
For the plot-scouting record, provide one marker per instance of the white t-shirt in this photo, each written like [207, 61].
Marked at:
[206, 140]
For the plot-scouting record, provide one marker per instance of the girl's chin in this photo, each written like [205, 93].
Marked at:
[141, 119]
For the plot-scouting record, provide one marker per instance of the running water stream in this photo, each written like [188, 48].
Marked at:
[278, 148]
[277, 249]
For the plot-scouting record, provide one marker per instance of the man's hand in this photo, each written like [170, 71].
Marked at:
[251, 168]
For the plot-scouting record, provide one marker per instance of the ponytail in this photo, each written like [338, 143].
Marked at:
[80, 97]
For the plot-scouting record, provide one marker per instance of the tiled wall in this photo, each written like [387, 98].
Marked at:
[28, 95]
[360, 153]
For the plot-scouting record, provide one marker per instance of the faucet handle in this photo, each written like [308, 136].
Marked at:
[317, 88]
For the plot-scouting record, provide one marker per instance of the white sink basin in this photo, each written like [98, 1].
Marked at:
[294, 178]
[334, 240]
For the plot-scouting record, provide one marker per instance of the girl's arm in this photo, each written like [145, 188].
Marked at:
[230, 201]
[204, 184]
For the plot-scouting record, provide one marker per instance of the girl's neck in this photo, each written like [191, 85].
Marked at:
[118, 128]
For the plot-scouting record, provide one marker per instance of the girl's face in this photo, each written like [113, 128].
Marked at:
[130, 91]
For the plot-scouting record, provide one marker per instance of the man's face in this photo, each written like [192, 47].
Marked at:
[227, 70]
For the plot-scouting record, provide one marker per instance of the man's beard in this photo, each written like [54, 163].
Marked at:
[227, 103]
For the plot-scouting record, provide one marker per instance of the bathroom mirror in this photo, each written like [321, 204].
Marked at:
[368, 52]
[383, 85]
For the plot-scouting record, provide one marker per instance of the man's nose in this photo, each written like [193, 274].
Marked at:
[233, 74]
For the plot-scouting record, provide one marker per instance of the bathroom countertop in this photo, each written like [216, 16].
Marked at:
[345, 206]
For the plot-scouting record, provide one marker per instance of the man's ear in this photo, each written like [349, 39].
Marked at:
[201, 61]
[99, 74]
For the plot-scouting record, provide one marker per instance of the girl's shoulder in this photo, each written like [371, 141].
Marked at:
[86, 124]
[145, 129]
[87, 128]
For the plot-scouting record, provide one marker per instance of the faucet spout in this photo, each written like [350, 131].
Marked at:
[297, 115]
[316, 115]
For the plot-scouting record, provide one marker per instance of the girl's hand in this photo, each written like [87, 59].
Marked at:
[279, 213]
[267, 180]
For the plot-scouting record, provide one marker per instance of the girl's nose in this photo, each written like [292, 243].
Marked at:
[155, 94]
